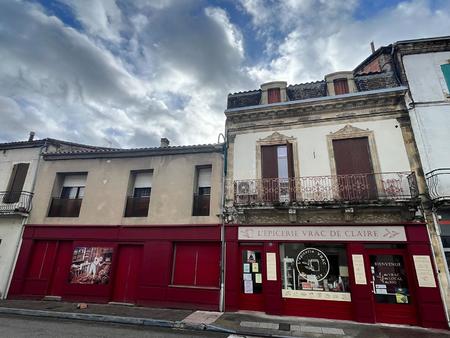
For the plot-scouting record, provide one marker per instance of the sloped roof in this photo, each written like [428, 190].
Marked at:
[134, 152]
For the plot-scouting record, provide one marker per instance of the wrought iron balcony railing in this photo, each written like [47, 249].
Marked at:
[438, 182]
[137, 206]
[12, 202]
[201, 205]
[65, 207]
[358, 188]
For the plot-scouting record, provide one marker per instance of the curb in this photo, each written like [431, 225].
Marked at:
[115, 319]
[131, 321]
[89, 317]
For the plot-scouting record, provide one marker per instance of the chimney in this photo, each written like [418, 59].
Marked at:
[164, 142]
[372, 47]
[31, 137]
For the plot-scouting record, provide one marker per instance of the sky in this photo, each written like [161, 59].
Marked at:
[124, 73]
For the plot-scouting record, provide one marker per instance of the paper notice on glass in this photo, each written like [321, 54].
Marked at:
[424, 271]
[358, 268]
[255, 267]
[246, 267]
[258, 278]
[248, 286]
[247, 276]
[251, 257]
[271, 266]
[381, 289]
[401, 299]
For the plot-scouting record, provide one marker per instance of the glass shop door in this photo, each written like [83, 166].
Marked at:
[392, 287]
[251, 277]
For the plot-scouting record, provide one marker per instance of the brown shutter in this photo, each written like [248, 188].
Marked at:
[273, 95]
[340, 86]
[352, 158]
[269, 164]
[16, 182]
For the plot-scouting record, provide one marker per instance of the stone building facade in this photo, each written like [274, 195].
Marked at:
[322, 203]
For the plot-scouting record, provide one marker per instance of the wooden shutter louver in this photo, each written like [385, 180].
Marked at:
[340, 86]
[16, 182]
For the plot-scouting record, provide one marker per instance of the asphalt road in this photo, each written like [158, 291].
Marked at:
[18, 327]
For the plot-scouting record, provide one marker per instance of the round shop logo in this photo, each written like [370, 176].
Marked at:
[313, 262]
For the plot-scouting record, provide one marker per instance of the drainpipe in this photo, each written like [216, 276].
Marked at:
[222, 228]
[24, 221]
[441, 248]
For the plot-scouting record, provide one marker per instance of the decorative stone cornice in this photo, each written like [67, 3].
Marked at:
[307, 109]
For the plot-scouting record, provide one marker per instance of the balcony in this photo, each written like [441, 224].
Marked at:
[137, 206]
[201, 205]
[341, 189]
[438, 182]
[15, 202]
[65, 207]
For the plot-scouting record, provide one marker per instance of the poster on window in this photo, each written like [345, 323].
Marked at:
[91, 265]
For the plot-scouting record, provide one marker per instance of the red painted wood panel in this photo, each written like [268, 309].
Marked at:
[127, 273]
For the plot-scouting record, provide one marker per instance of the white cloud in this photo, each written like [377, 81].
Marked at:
[324, 36]
[141, 70]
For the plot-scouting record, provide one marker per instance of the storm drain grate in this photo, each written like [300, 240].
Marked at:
[284, 327]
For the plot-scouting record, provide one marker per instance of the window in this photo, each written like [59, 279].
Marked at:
[308, 269]
[16, 182]
[273, 95]
[202, 194]
[340, 86]
[446, 71]
[139, 199]
[196, 264]
[68, 202]
[277, 169]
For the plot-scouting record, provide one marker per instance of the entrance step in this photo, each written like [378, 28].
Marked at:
[120, 303]
[53, 298]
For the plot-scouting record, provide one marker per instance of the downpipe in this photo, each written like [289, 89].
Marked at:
[222, 228]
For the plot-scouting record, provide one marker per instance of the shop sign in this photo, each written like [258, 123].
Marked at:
[317, 295]
[271, 264]
[312, 264]
[323, 233]
[424, 271]
[359, 271]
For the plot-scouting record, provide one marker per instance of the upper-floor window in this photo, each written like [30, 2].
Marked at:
[16, 182]
[67, 203]
[202, 194]
[273, 95]
[340, 86]
[139, 198]
[276, 168]
[446, 71]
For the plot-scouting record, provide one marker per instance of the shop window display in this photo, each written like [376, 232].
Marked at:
[315, 271]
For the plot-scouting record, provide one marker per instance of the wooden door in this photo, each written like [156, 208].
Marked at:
[354, 170]
[127, 273]
[393, 289]
[61, 268]
[277, 171]
[251, 290]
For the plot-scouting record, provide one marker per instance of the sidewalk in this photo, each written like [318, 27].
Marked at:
[239, 323]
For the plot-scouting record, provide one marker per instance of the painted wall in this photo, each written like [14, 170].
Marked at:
[430, 117]
[107, 185]
[425, 78]
[313, 148]
[10, 231]
[10, 157]
[11, 225]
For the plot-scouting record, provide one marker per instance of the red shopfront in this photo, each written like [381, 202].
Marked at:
[171, 266]
[367, 273]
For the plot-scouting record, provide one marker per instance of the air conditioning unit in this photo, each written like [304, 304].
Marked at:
[246, 188]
